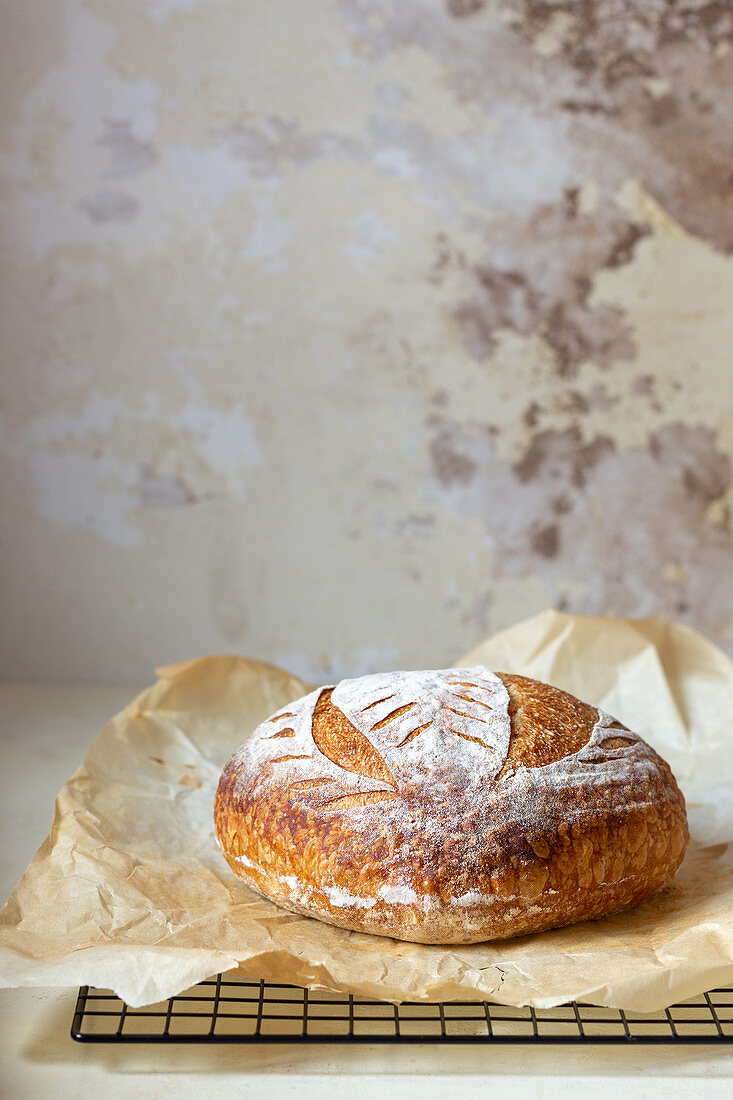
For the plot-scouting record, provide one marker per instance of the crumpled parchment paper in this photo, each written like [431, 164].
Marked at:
[130, 892]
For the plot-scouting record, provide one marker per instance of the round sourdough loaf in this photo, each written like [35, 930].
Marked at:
[449, 807]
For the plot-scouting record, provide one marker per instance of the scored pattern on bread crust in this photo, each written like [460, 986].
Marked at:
[426, 716]
[449, 806]
[353, 752]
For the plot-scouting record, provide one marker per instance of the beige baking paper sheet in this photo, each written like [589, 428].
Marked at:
[130, 891]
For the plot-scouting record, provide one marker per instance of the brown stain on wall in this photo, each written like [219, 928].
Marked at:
[449, 464]
[607, 520]
[617, 57]
[562, 455]
[554, 256]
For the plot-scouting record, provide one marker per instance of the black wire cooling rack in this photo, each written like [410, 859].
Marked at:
[227, 1010]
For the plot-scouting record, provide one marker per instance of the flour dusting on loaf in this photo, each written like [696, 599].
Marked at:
[449, 806]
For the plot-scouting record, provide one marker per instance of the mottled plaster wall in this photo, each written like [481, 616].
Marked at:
[342, 334]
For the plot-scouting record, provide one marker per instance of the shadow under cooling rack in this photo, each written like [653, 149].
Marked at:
[225, 1010]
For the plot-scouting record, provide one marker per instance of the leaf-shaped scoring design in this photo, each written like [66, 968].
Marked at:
[336, 768]
[350, 749]
[441, 709]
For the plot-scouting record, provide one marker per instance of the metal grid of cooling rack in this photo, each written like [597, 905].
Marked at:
[227, 1010]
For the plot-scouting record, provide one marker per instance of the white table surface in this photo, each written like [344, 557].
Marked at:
[45, 730]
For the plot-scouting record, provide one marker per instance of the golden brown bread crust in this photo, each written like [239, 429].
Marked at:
[418, 837]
